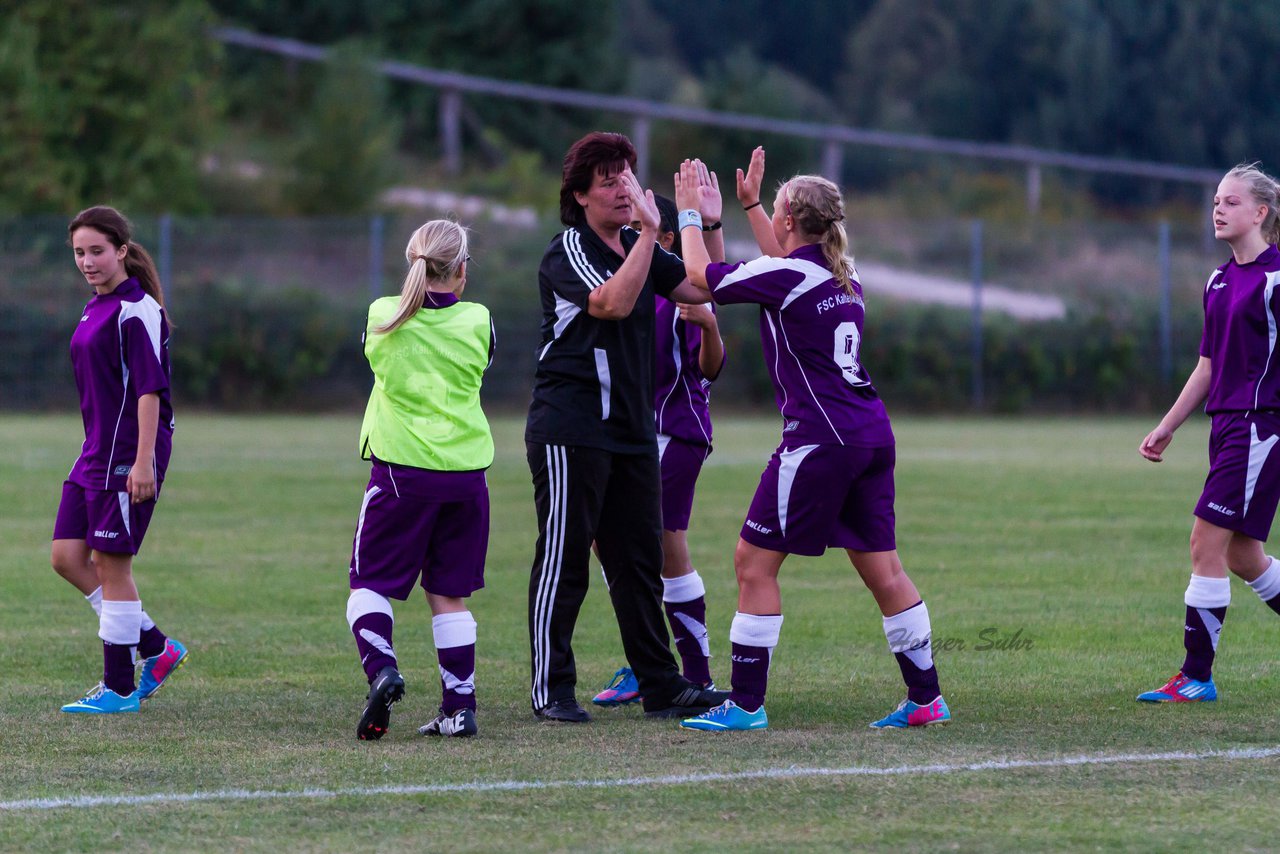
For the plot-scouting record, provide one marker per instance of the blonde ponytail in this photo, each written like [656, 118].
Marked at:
[436, 253]
[818, 210]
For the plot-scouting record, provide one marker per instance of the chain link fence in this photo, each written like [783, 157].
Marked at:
[268, 313]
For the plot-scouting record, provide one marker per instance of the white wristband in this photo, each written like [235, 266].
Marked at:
[689, 217]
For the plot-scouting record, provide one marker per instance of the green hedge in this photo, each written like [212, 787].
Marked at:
[239, 347]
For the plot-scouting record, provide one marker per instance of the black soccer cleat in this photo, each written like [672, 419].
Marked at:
[387, 688]
[565, 710]
[690, 701]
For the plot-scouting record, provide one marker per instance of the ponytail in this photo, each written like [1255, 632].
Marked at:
[436, 253]
[1265, 191]
[138, 264]
[818, 210]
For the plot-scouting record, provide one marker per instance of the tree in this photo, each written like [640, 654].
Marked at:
[345, 141]
[113, 102]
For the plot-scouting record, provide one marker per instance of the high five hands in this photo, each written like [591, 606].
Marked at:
[698, 188]
[644, 208]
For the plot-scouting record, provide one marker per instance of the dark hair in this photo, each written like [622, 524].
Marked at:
[113, 225]
[597, 153]
[667, 220]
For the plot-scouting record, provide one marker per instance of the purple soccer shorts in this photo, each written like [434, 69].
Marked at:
[812, 497]
[681, 463]
[106, 520]
[1242, 489]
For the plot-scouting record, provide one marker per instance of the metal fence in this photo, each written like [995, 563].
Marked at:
[269, 312]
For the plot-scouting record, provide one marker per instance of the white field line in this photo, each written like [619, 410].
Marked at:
[789, 773]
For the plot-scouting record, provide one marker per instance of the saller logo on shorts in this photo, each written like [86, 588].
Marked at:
[109, 535]
[1223, 510]
[756, 526]
[122, 471]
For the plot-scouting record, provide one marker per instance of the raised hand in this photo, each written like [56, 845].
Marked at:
[688, 195]
[749, 183]
[710, 203]
[644, 208]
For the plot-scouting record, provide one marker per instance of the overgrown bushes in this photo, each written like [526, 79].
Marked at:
[240, 347]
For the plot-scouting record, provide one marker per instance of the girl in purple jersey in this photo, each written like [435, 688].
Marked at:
[120, 355]
[830, 482]
[1238, 381]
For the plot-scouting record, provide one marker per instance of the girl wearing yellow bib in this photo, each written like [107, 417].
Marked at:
[425, 515]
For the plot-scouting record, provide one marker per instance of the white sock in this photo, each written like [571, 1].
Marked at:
[120, 622]
[910, 633]
[1205, 592]
[95, 601]
[454, 629]
[686, 588]
[364, 601]
[756, 629]
[1267, 585]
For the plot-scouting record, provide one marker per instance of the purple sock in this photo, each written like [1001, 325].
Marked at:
[750, 675]
[457, 678]
[152, 642]
[922, 685]
[373, 641]
[1273, 603]
[1200, 637]
[117, 668]
[689, 628]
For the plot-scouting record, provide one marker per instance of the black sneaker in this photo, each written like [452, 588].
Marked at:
[690, 701]
[460, 724]
[387, 688]
[565, 710]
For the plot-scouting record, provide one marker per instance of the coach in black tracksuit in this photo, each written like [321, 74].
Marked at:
[590, 435]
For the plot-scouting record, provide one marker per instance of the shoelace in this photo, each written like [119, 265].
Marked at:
[619, 677]
[96, 691]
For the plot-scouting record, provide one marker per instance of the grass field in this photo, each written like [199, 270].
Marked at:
[1050, 537]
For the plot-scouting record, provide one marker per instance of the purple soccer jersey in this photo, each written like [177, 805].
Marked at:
[1241, 309]
[681, 401]
[811, 330]
[119, 352]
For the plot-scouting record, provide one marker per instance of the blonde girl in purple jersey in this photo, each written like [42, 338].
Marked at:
[120, 356]
[830, 482]
[1238, 381]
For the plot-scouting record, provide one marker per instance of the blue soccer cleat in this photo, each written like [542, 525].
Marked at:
[158, 668]
[727, 716]
[1182, 689]
[101, 700]
[909, 714]
[621, 690]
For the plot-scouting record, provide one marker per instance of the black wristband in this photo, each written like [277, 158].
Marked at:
[715, 227]
[749, 207]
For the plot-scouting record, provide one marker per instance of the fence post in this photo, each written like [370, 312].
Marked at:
[975, 272]
[451, 130]
[832, 161]
[1166, 306]
[376, 227]
[165, 253]
[1033, 188]
[640, 139]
